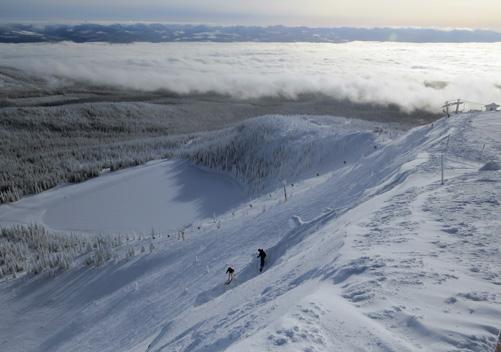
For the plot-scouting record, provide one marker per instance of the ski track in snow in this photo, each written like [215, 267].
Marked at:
[375, 256]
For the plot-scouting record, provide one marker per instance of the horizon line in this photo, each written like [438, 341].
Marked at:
[208, 24]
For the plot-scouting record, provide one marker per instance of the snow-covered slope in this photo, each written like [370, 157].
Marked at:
[374, 254]
[166, 194]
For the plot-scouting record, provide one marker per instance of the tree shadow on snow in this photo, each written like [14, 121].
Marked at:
[215, 192]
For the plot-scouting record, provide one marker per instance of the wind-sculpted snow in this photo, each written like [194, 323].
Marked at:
[375, 254]
[299, 231]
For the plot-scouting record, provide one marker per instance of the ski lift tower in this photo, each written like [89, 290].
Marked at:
[447, 104]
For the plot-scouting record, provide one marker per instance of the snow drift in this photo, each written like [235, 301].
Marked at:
[379, 254]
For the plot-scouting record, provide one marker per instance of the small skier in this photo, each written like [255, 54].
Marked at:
[230, 272]
[261, 255]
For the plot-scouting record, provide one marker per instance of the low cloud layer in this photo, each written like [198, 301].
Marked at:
[413, 76]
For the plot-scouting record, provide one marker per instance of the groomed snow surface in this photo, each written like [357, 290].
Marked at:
[372, 254]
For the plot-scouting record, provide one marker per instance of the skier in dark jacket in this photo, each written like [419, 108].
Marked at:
[230, 272]
[261, 255]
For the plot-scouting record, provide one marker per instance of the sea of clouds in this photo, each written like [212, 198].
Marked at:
[410, 75]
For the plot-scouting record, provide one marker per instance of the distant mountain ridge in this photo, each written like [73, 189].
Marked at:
[156, 33]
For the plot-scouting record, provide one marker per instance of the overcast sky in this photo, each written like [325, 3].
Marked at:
[473, 14]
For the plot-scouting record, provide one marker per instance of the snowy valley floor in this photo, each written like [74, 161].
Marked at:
[374, 254]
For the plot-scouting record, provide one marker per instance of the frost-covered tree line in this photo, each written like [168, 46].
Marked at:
[42, 147]
[267, 150]
[33, 249]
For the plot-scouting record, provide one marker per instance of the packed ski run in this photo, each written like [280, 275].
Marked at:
[375, 249]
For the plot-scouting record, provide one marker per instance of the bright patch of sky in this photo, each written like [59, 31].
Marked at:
[479, 14]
